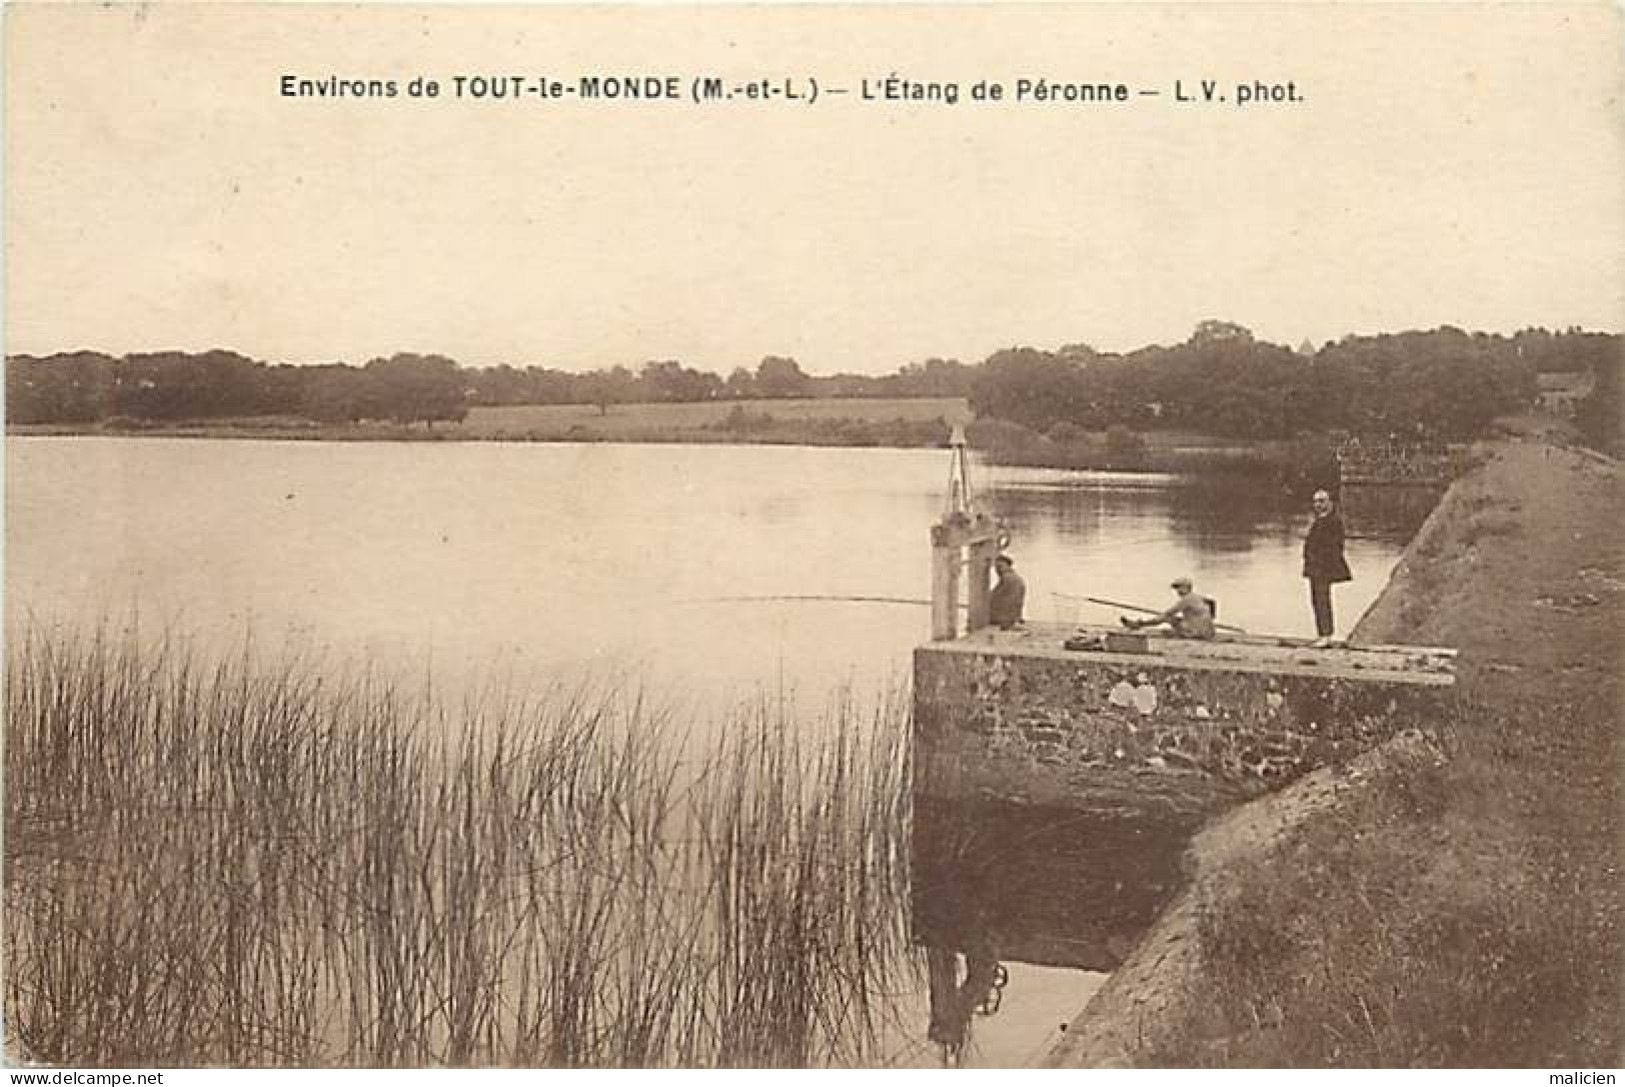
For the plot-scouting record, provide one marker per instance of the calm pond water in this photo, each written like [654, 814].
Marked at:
[559, 557]
[673, 562]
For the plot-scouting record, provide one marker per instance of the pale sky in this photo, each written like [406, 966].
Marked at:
[1452, 164]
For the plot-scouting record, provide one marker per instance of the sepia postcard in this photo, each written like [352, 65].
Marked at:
[874, 536]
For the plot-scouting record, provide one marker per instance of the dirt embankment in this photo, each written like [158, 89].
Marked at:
[1452, 898]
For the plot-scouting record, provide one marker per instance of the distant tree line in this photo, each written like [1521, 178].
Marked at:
[1600, 414]
[668, 381]
[90, 387]
[170, 386]
[1439, 385]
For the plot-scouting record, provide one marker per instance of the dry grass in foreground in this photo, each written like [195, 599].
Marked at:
[225, 864]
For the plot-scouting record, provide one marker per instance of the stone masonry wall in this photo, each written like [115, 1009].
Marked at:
[1114, 732]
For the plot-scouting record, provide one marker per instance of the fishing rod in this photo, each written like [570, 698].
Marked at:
[1142, 610]
[806, 597]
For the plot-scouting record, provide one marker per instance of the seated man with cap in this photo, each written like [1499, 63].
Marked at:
[1190, 617]
[1009, 595]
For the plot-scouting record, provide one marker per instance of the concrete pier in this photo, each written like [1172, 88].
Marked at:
[1170, 725]
[1060, 771]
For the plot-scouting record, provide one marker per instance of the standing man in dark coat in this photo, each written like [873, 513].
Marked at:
[1009, 595]
[1324, 564]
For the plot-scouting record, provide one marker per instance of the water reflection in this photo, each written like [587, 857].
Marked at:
[1220, 514]
[998, 886]
[1086, 534]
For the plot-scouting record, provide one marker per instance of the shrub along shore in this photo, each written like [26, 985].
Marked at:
[1453, 899]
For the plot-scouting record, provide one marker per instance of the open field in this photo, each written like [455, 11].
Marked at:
[634, 422]
[897, 423]
[847, 422]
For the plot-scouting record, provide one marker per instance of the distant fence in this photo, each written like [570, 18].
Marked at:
[1366, 461]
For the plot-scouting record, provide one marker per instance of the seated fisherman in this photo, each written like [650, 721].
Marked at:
[1190, 617]
[1009, 595]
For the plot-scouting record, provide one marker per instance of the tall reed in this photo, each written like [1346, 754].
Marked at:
[223, 861]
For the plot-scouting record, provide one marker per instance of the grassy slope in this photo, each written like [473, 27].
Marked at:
[632, 422]
[821, 421]
[1428, 911]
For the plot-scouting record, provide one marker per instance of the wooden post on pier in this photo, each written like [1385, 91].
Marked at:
[980, 587]
[961, 540]
[944, 586]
